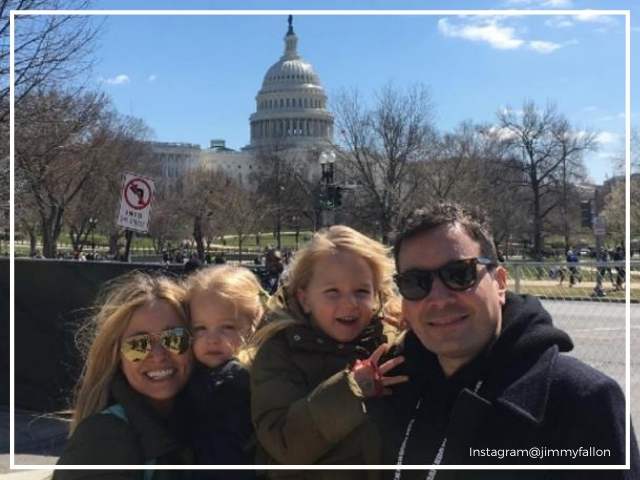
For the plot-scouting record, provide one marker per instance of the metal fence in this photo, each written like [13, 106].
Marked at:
[598, 281]
[594, 318]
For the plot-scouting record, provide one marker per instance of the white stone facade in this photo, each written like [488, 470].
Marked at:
[236, 165]
[176, 158]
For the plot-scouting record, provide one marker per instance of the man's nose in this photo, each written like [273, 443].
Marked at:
[439, 292]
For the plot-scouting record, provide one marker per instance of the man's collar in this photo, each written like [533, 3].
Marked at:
[529, 394]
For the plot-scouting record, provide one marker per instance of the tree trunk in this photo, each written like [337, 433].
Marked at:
[33, 242]
[78, 238]
[113, 243]
[385, 231]
[537, 225]
[565, 218]
[197, 236]
[158, 244]
[51, 227]
[49, 246]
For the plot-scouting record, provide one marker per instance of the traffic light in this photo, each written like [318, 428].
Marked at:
[337, 199]
[585, 214]
[326, 198]
[331, 197]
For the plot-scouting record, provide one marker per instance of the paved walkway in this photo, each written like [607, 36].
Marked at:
[39, 440]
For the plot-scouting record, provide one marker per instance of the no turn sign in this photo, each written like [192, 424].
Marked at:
[135, 202]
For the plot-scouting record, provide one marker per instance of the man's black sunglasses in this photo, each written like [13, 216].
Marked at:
[457, 275]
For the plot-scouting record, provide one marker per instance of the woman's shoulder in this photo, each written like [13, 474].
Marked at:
[102, 439]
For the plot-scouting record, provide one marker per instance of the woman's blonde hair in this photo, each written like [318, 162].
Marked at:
[285, 310]
[99, 339]
[235, 285]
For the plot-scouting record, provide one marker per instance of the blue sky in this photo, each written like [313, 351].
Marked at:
[194, 78]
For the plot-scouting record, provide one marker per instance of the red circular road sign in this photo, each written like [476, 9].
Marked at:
[137, 193]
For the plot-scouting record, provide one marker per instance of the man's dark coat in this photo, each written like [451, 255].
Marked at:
[520, 393]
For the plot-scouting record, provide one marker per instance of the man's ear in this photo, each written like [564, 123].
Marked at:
[500, 277]
[302, 300]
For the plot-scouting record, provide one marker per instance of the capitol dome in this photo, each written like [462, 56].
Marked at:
[291, 106]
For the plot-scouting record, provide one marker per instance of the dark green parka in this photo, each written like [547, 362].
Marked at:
[306, 407]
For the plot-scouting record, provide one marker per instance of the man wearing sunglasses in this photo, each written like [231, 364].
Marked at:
[487, 379]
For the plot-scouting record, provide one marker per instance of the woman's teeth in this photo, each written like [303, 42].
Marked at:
[160, 374]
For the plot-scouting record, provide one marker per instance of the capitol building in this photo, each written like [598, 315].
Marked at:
[291, 117]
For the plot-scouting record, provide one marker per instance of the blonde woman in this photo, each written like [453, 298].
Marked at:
[138, 360]
[317, 357]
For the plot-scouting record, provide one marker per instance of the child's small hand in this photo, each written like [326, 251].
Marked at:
[371, 378]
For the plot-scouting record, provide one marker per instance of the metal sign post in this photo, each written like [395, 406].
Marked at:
[135, 207]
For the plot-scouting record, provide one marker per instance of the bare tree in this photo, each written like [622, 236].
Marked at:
[199, 196]
[572, 171]
[615, 208]
[272, 178]
[287, 186]
[462, 165]
[63, 141]
[241, 214]
[4, 177]
[4, 183]
[619, 160]
[467, 166]
[380, 146]
[546, 150]
[48, 49]
[615, 204]
[166, 223]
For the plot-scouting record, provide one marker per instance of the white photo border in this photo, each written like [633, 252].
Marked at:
[496, 12]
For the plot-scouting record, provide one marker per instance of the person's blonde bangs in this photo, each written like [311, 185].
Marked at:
[236, 286]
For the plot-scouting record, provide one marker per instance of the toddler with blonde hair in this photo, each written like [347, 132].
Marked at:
[225, 306]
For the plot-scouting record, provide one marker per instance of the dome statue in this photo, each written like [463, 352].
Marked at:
[291, 106]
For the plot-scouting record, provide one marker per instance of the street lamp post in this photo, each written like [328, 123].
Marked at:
[327, 187]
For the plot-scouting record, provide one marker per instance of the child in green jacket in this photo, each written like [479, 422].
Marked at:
[316, 359]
